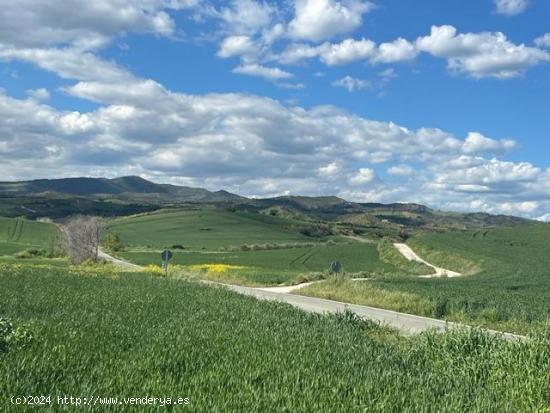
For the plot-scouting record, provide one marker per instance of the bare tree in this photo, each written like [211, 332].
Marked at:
[82, 235]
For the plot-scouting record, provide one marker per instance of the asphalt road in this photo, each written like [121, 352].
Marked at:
[406, 323]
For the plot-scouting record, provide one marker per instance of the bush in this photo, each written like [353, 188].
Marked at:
[316, 230]
[113, 242]
[31, 253]
[440, 307]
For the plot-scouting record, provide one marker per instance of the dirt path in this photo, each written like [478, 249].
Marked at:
[409, 254]
[128, 265]
[288, 289]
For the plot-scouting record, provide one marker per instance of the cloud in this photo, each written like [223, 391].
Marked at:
[40, 94]
[477, 143]
[511, 7]
[236, 46]
[352, 84]
[401, 170]
[95, 25]
[330, 169]
[269, 73]
[543, 41]
[322, 19]
[363, 176]
[397, 51]
[347, 51]
[482, 54]
[479, 55]
[68, 63]
[247, 16]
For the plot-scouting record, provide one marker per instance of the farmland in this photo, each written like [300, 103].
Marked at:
[18, 234]
[509, 290]
[276, 266]
[206, 229]
[122, 335]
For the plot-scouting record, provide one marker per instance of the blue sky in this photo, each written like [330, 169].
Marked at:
[434, 101]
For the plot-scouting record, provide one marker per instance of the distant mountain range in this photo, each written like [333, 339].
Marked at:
[128, 187]
[132, 194]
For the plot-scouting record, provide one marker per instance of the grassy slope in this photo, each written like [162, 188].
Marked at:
[17, 234]
[134, 335]
[209, 229]
[510, 292]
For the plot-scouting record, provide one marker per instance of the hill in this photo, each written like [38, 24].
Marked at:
[127, 187]
[17, 234]
[57, 198]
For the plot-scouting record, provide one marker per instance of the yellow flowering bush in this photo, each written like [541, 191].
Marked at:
[215, 268]
[153, 269]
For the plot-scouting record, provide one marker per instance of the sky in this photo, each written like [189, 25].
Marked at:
[439, 102]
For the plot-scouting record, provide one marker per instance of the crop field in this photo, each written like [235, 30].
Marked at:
[509, 290]
[205, 229]
[280, 265]
[17, 234]
[116, 335]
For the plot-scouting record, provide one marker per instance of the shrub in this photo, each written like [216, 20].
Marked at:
[113, 242]
[31, 253]
[316, 230]
[440, 307]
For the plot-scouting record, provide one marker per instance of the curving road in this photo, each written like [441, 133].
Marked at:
[406, 323]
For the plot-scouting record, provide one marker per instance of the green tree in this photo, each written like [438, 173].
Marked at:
[113, 242]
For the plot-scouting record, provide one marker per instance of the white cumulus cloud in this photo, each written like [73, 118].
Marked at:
[511, 7]
[322, 19]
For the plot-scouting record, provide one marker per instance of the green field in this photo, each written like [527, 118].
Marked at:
[205, 229]
[17, 234]
[509, 291]
[266, 267]
[134, 335]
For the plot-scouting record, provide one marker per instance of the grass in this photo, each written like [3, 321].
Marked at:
[124, 335]
[271, 267]
[509, 290]
[369, 293]
[205, 229]
[18, 234]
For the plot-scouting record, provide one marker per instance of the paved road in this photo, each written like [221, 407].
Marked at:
[407, 323]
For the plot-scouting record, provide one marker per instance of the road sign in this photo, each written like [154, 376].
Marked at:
[335, 267]
[166, 256]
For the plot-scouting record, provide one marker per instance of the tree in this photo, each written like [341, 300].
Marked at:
[82, 235]
[113, 242]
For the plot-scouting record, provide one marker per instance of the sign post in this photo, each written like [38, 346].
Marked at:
[335, 267]
[166, 256]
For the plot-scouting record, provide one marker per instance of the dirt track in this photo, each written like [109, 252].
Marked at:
[409, 254]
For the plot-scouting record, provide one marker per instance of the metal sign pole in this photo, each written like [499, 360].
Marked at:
[166, 256]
